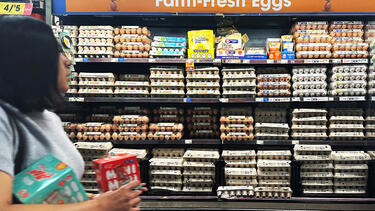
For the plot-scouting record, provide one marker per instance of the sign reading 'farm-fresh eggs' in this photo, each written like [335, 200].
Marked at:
[219, 6]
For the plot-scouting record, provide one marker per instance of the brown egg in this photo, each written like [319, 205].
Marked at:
[174, 128]
[139, 39]
[133, 39]
[178, 136]
[223, 137]
[130, 47]
[139, 31]
[156, 137]
[117, 54]
[141, 48]
[85, 137]
[117, 31]
[173, 137]
[72, 135]
[123, 31]
[138, 128]
[234, 138]
[132, 129]
[117, 39]
[126, 129]
[79, 127]
[122, 55]
[229, 137]
[146, 120]
[145, 55]
[108, 127]
[123, 39]
[128, 55]
[134, 55]
[108, 136]
[133, 31]
[126, 138]
[147, 47]
[222, 128]
[150, 136]
[120, 137]
[145, 31]
[143, 136]
[119, 120]
[167, 137]
[180, 127]
[138, 137]
[114, 136]
[135, 47]
[161, 137]
[127, 39]
[132, 137]
[120, 128]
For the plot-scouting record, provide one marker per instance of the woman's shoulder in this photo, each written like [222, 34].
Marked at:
[4, 120]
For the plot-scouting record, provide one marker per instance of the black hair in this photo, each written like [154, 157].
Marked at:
[29, 57]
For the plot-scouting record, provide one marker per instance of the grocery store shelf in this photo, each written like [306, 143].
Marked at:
[222, 61]
[175, 142]
[216, 100]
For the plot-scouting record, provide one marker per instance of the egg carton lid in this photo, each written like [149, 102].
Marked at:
[274, 153]
[198, 180]
[198, 173]
[306, 148]
[263, 173]
[274, 189]
[198, 164]
[166, 162]
[317, 166]
[197, 189]
[166, 172]
[272, 125]
[140, 153]
[95, 75]
[94, 145]
[238, 153]
[268, 163]
[240, 171]
[313, 157]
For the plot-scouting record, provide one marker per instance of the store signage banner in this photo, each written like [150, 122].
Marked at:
[216, 6]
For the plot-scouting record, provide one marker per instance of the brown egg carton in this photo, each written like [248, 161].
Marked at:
[237, 136]
[131, 136]
[166, 127]
[347, 25]
[323, 38]
[241, 182]
[202, 118]
[204, 133]
[346, 33]
[236, 128]
[313, 47]
[273, 77]
[168, 118]
[131, 54]
[274, 154]
[313, 55]
[92, 136]
[130, 128]
[312, 25]
[349, 54]
[273, 192]
[274, 85]
[238, 154]
[131, 30]
[165, 136]
[234, 119]
[135, 43]
[347, 40]
[350, 47]
[202, 126]
[168, 152]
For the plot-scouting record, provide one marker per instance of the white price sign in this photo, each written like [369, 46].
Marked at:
[315, 99]
[355, 98]
[76, 99]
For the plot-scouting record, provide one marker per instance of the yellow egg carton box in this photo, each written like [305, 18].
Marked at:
[203, 39]
[48, 181]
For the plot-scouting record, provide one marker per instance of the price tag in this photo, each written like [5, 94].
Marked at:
[224, 100]
[260, 142]
[284, 61]
[76, 99]
[276, 100]
[259, 100]
[296, 99]
[9, 8]
[336, 61]
[188, 141]
[78, 60]
[190, 65]
[270, 61]
[295, 142]
[151, 60]
[114, 60]
[121, 60]
[331, 99]
[354, 61]
[187, 100]
[315, 99]
[246, 61]
[372, 98]
[356, 98]
[217, 61]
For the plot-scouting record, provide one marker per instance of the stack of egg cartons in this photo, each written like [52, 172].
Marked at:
[346, 124]
[167, 82]
[316, 168]
[132, 85]
[91, 151]
[236, 124]
[169, 47]
[129, 127]
[370, 36]
[309, 124]
[233, 192]
[370, 124]
[312, 40]
[168, 123]
[273, 82]
[239, 82]
[132, 42]
[271, 124]
[348, 80]
[95, 42]
[199, 170]
[203, 82]
[309, 81]
[348, 40]
[241, 160]
[96, 84]
[202, 122]
[274, 173]
[73, 84]
[371, 80]
[166, 169]
[351, 172]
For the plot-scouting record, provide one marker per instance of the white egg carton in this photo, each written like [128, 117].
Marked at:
[104, 77]
[346, 127]
[198, 166]
[320, 149]
[131, 91]
[166, 163]
[310, 85]
[273, 183]
[317, 175]
[345, 112]
[168, 92]
[310, 92]
[317, 183]
[93, 148]
[273, 165]
[350, 175]
[166, 174]
[96, 42]
[314, 77]
[318, 190]
[165, 182]
[198, 182]
[313, 159]
[302, 113]
[242, 182]
[196, 189]
[239, 92]
[95, 84]
[232, 72]
[309, 136]
[309, 69]
[356, 76]
[349, 68]
[99, 92]
[348, 85]
[167, 152]
[347, 135]
[248, 83]
[347, 119]
[350, 183]
[140, 153]
[203, 84]
[198, 174]
[347, 156]
[144, 84]
[272, 136]
[241, 163]
[350, 191]
[271, 127]
[308, 128]
[273, 192]
[274, 154]
[171, 72]
[228, 192]
[238, 154]
[240, 173]
[350, 167]
[203, 92]
[202, 154]
[273, 175]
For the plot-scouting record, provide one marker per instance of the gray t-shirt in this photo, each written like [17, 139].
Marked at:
[25, 139]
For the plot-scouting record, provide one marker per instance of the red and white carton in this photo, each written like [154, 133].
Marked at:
[115, 171]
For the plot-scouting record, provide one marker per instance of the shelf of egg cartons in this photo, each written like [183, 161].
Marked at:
[239, 82]
[168, 47]
[350, 172]
[274, 174]
[203, 82]
[309, 124]
[240, 174]
[347, 39]
[370, 125]
[90, 152]
[131, 42]
[167, 82]
[200, 175]
[273, 82]
[93, 85]
[166, 169]
[271, 124]
[167, 124]
[202, 122]
[236, 125]
[95, 42]
[73, 84]
[346, 124]
[309, 81]
[348, 80]
[316, 176]
[132, 85]
[312, 40]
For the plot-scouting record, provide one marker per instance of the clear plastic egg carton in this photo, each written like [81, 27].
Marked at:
[274, 154]
[273, 85]
[140, 153]
[237, 136]
[240, 173]
[167, 152]
[234, 119]
[273, 78]
[131, 119]
[201, 155]
[93, 149]
[346, 33]
[347, 25]
[166, 127]
[241, 182]
[273, 192]
[349, 69]
[312, 25]
[350, 47]
[314, 38]
[228, 192]
[307, 70]
[356, 76]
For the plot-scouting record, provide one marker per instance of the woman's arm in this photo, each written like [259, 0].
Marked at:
[124, 199]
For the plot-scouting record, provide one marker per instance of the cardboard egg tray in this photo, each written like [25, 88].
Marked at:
[312, 183]
[168, 110]
[203, 83]
[356, 76]
[239, 83]
[97, 92]
[273, 175]
[165, 182]
[203, 72]
[198, 174]
[347, 135]
[122, 84]
[306, 128]
[310, 85]
[346, 33]
[309, 136]
[169, 72]
[350, 156]
[313, 47]
[168, 118]
[273, 192]
[313, 55]
[360, 182]
[241, 182]
[310, 92]
[201, 110]
[309, 77]
[227, 192]
[309, 70]
[167, 152]
[95, 42]
[274, 154]
[348, 85]
[140, 153]
[348, 92]
[351, 167]
[238, 73]
[198, 166]
[346, 119]
[240, 173]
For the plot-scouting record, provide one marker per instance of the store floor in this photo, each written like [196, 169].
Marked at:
[239, 206]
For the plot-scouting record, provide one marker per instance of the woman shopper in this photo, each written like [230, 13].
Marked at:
[33, 75]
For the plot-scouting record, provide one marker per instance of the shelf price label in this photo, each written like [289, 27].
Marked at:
[9, 8]
[190, 65]
[76, 99]
[315, 99]
[354, 98]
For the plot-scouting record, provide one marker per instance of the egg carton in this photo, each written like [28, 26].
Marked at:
[238, 92]
[202, 155]
[273, 192]
[196, 182]
[95, 54]
[93, 148]
[168, 118]
[320, 167]
[351, 167]
[313, 25]
[132, 30]
[346, 111]
[307, 70]
[371, 91]
[309, 77]
[90, 136]
[196, 189]
[205, 70]
[350, 156]
[166, 44]
[271, 136]
[103, 27]
[95, 42]
[371, 85]
[228, 192]
[238, 154]
[239, 83]
[165, 136]
[350, 191]
[274, 183]
[347, 25]
[271, 127]
[317, 175]
[317, 183]
[342, 85]
[321, 149]
[169, 110]
[350, 54]
[131, 119]
[91, 77]
[300, 32]
[309, 92]
[323, 38]
[140, 153]
[203, 84]
[131, 92]
[129, 136]
[176, 163]
[347, 33]
[346, 127]
[204, 133]
[309, 136]
[167, 53]
[351, 182]
[202, 110]
[350, 47]
[349, 175]
[370, 127]
[130, 54]
[270, 113]
[165, 182]
[168, 152]
[236, 128]
[93, 127]
[273, 77]
[166, 73]
[98, 92]
[274, 154]
[99, 117]
[317, 191]
[167, 92]
[166, 127]
[347, 135]
[96, 34]
[274, 165]
[273, 93]
[202, 118]
[300, 128]
[137, 45]
[347, 40]
[313, 47]
[322, 157]
[240, 173]
[166, 174]
[177, 189]
[198, 174]
[346, 119]
[202, 126]
[273, 85]
[198, 166]
[356, 76]
[133, 39]
[237, 136]
[234, 119]
[238, 73]
[239, 112]
[313, 55]
[308, 85]
[90, 186]
[241, 163]
[127, 84]
[65, 117]
[241, 182]
[203, 92]
[275, 175]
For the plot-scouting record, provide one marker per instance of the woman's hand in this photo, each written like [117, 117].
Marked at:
[123, 199]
